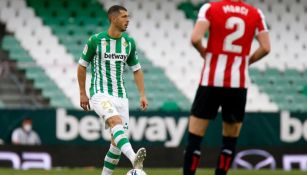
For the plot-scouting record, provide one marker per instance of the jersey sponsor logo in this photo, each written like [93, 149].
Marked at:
[114, 56]
[235, 9]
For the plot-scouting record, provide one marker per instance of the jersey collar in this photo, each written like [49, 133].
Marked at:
[114, 37]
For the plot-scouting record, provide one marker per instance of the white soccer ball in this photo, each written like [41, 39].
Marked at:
[136, 172]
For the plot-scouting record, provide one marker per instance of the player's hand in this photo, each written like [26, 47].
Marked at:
[143, 103]
[84, 102]
[203, 52]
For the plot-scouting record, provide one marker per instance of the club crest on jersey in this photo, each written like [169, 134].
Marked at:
[125, 44]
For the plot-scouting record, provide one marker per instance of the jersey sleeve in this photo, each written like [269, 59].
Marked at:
[204, 13]
[133, 60]
[261, 24]
[88, 53]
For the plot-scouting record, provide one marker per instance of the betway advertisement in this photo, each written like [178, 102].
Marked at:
[61, 126]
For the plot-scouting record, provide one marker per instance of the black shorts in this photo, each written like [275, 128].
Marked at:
[208, 100]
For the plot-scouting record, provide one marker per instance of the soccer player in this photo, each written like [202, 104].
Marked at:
[232, 25]
[107, 53]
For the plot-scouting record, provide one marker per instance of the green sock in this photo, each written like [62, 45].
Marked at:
[111, 160]
[122, 142]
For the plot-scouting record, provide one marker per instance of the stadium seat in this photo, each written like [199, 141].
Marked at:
[32, 70]
[2, 105]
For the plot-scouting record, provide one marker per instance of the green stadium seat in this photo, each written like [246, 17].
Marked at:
[53, 93]
[190, 10]
[255, 73]
[8, 43]
[169, 106]
[155, 104]
[284, 88]
[305, 90]
[2, 105]
[292, 73]
[35, 73]
[20, 57]
[61, 103]
[32, 71]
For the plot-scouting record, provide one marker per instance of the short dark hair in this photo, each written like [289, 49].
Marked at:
[26, 119]
[115, 9]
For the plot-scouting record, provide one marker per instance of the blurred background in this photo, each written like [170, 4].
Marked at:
[42, 40]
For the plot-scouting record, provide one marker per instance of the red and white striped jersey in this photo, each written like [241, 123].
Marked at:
[233, 26]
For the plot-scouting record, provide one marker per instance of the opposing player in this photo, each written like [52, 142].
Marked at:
[107, 53]
[232, 25]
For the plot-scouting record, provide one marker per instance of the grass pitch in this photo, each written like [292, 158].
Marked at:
[92, 171]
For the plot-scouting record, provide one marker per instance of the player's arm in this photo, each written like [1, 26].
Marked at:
[139, 81]
[84, 101]
[263, 49]
[198, 33]
[200, 28]
[263, 40]
[87, 56]
[133, 62]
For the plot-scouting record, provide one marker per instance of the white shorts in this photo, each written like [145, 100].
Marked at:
[107, 106]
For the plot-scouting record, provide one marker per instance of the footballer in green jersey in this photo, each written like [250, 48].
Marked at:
[107, 53]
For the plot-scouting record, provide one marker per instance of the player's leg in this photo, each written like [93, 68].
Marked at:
[122, 142]
[197, 129]
[233, 110]
[231, 132]
[105, 108]
[111, 159]
[204, 107]
[119, 126]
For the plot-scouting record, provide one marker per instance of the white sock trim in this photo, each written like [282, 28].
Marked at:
[113, 149]
[116, 128]
[106, 171]
[110, 160]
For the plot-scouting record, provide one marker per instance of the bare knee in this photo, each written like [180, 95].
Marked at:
[114, 120]
[198, 126]
[231, 129]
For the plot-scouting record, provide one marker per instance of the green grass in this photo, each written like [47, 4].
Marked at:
[91, 171]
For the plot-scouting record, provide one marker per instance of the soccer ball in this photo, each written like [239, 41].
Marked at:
[136, 172]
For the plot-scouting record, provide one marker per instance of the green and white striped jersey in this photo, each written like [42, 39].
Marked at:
[107, 57]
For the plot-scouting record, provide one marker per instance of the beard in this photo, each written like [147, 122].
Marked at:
[123, 28]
